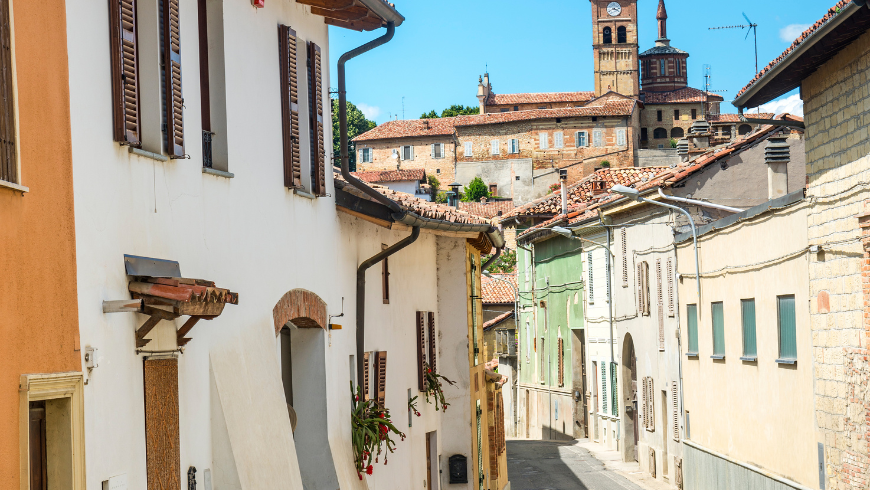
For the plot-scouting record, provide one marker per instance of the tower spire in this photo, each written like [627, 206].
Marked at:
[662, 17]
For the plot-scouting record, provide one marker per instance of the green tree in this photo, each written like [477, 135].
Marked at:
[430, 115]
[506, 262]
[475, 190]
[434, 186]
[357, 124]
[454, 110]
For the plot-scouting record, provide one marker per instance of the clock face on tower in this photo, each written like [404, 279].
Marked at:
[614, 9]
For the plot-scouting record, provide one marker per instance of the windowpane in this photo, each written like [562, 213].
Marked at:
[620, 137]
[787, 326]
[439, 150]
[495, 147]
[468, 149]
[581, 139]
[558, 141]
[716, 311]
[692, 322]
[543, 141]
[749, 343]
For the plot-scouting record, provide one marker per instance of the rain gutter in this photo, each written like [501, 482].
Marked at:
[772, 122]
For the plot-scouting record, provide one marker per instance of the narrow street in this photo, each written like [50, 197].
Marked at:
[556, 465]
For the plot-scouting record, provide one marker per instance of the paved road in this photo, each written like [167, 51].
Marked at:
[550, 465]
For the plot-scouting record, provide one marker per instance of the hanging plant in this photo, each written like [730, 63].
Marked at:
[372, 429]
[434, 388]
[412, 406]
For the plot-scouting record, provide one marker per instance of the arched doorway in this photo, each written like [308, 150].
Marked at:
[629, 389]
[300, 320]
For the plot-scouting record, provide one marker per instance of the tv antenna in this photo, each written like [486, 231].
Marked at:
[753, 28]
[708, 76]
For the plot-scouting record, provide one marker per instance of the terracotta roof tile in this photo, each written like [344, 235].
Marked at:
[832, 12]
[494, 292]
[375, 177]
[681, 96]
[489, 209]
[534, 98]
[495, 321]
[440, 126]
[736, 118]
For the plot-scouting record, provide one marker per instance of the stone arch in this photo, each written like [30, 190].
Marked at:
[744, 129]
[621, 36]
[628, 378]
[302, 307]
[677, 133]
[660, 133]
[608, 36]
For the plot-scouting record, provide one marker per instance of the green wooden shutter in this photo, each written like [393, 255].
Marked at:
[614, 400]
[603, 387]
[787, 326]
[692, 324]
[750, 348]
[716, 311]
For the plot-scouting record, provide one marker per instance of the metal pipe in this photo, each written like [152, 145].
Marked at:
[491, 259]
[361, 297]
[699, 203]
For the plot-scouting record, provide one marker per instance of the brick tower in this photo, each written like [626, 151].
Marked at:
[614, 46]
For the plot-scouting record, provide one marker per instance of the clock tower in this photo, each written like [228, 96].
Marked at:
[615, 46]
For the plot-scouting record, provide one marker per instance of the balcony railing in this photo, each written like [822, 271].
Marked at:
[206, 148]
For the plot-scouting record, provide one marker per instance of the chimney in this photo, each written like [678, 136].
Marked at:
[426, 124]
[699, 135]
[563, 179]
[483, 91]
[776, 156]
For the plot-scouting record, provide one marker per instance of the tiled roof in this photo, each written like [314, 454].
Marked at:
[535, 98]
[439, 126]
[445, 125]
[413, 204]
[832, 12]
[375, 177]
[581, 192]
[497, 320]
[663, 50]
[736, 118]
[489, 209]
[494, 292]
[681, 96]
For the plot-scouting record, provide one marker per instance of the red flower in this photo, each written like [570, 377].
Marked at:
[384, 429]
[359, 475]
[356, 398]
[369, 470]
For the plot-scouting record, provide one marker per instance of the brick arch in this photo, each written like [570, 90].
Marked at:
[302, 307]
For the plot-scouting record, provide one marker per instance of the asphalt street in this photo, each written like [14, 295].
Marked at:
[555, 465]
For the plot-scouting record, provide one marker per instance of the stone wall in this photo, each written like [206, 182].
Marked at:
[383, 159]
[837, 108]
[649, 120]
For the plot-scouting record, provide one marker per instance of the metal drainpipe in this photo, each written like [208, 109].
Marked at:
[345, 172]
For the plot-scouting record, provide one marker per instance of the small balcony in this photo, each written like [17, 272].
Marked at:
[206, 148]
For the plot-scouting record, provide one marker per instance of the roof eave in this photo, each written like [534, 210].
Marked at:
[385, 11]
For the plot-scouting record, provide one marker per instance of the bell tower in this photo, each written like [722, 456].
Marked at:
[615, 46]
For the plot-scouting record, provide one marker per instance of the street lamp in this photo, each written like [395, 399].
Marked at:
[635, 194]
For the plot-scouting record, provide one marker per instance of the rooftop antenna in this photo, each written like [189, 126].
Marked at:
[708, 76]
[753, 28]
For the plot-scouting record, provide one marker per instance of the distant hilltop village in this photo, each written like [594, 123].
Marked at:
[640, 109]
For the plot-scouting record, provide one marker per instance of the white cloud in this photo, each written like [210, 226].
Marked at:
[790, 32]
[791, 104]
[371, 112]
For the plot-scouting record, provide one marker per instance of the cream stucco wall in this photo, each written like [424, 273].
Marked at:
[752, 411]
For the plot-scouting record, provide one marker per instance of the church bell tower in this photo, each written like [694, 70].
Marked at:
[615, 46]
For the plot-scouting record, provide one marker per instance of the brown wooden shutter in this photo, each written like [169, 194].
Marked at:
[125, 72]
[421, 351]
[381, 377]
[660, 304]
[645, 286]
[652, 404]
[432, 351]
[315, 102]
[639, 289]
[38, 447]
[162, 433]
[561, 361]
[645, 404]
[366, 376]
[670, 287]
[675, 409]
[173, 99]
[8, 155]
[290, 107]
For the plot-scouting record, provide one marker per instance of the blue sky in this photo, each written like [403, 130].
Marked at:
[545, 46]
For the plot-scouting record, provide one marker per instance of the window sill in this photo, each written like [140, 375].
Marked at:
[749, 359]
[217, 173]
[148, 154]
[14, 187]
[786, 361]
[692, 355]
[304, 193]
[718, 358]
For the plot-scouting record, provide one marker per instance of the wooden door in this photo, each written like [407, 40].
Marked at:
[428, 460]
[38, 473]
[163, 455]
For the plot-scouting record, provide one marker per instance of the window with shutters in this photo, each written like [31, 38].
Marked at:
[212, 84]
[316, 120]
[581, 139]
[494, 147]
[542, 357]
[747, 313]
[644, 406]
[620, 137]
[675, 411]
[407, 152]
[469, 149]
[123, 24]
[604, 387]
[287, 41]
[662, 68]
[438, 150]
[643, 288]
[173, 99]
[558, 139]
[9, 165]
[670, 287]
[560, 347]
[543, 141]
[614, 387]
[528, 341]
[426, 349]
[692, 328]
[590, 295]
[367, 381]
[380, 388]
[385, 277]
[624, 246]
[787, 328]
[365, 155]
[717, 314]
[514, 146]
[649, 404]
[597, 138]
[660, 304]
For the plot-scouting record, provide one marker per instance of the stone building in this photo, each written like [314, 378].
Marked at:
[491, 102]
[829, 63]
[615, 47]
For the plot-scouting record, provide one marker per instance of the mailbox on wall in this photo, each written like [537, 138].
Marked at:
[458, 468]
